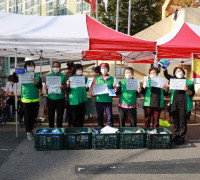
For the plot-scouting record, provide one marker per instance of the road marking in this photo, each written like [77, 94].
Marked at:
[79, 169]
[5, 149]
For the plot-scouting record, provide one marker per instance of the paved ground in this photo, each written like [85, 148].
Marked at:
[19, 160]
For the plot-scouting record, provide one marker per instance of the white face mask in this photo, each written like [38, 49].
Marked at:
[153, 75]
[79, 72]
[179, 75]
[104, 71]
[55, 70]
[30, 69]
[128, 76]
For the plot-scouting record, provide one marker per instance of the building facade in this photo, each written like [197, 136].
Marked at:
[45, 7]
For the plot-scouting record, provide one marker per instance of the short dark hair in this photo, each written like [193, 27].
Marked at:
[155, 69]
[57, 63]
[29, 63]
[97, 69]
[77, 66]
[70, 64]
[130, 69]
[175, 69]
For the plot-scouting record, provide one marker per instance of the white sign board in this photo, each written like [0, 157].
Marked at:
[26, 78]
[177, 84]
[54, 90]
[53, 81]
[77, 81]
[100, 89]
[89, 81]
[157, 82]
[111, 92]
[132, 84]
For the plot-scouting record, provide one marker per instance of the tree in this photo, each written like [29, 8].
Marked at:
[144, 13]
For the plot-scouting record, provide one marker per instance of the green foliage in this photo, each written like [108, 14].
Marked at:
[143, 14]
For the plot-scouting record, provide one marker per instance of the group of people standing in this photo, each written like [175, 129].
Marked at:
[75, 98]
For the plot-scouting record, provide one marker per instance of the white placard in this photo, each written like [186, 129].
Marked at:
[177, 84]
[111, 92]
[157, 82]
[132, 84]
[54, 90]
[100, 89]
[146, 82]
[53, 81]
[26, 78]
[77, 81]
[89, 81]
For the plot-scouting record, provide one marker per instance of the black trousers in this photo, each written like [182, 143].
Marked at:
[180, 123]
[78, 114]
[56, 105]
[123, 112]
[30, 113]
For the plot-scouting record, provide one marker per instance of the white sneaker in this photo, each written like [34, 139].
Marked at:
[30, 136]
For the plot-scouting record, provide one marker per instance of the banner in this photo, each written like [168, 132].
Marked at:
[196, 69]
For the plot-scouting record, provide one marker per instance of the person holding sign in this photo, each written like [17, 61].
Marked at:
[104, 101]
[154, 100]
[128, 98]
[30, 98]
[56, 84]
[77, 95]
[181, 104]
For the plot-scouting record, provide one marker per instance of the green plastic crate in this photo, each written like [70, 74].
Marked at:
[105, 141]
[75, 139]
[47, 142]
[158, 141]
[132, 140]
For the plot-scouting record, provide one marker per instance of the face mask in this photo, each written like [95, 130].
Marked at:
[56, 70]
[153, 75]
[104, 71]
[30, 69]
[128, 76]
[79, 72]
[179, 75]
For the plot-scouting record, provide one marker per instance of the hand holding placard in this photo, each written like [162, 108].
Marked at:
[100, 89]
[157, 82]
[132, 84]
[77, 81]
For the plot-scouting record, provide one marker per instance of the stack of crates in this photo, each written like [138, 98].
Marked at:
[45, 142]
[105, 140]
[158, 141]
[78, 138]
[132, 140]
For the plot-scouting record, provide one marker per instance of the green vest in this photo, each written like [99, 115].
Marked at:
[58, 96]
[189, 99]
[29, 92]
[77, 95]
[128, 97]
[109, 81]
[147, 99]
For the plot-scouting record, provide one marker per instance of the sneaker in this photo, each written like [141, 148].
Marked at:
[180, 141]
[30, 136]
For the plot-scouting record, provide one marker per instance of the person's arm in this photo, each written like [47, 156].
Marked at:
[68, 86]
[191, 91]
[167, 76]
[118, 90]
[143, 90]
[39, 84]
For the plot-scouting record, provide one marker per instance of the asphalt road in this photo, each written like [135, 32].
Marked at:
[19, 160]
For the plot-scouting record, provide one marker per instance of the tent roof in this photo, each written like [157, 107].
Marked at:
[62, 37]
[181, 42]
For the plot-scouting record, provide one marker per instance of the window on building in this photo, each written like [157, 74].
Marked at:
[50, 6]
[2, 7]
[62, 3]
[19, 8]
[12, 10]
[28, 12]
[11, 2]
[78, 8]
[35, 2]
[1, 1]
[28, 4]
[35, 10]
[84, 6]
[50, 13]
[19, 1]
[62, 12]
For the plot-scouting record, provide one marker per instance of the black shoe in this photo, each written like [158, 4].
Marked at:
[174, 139]
[180, 141]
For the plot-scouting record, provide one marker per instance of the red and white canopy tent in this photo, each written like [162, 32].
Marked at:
[64, 37]
[180, 44]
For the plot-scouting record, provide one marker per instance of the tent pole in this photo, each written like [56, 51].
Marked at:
[117, 15]
[121, 70]
[115, 68]
[81, 6]
[96, 63]
[97, 10]
[155, 57]
[129, 17]
[40, 66]
[16, 120]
